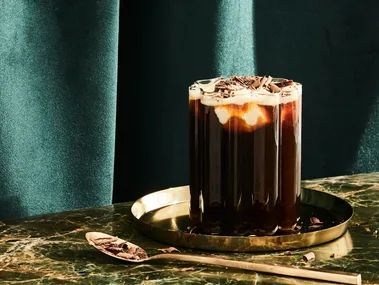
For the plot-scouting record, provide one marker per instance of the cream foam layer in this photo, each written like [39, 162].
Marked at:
[254, 97]
[205, 90]
[291, 93]
[197, 89]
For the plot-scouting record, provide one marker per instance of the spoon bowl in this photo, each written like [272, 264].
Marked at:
[127, 251]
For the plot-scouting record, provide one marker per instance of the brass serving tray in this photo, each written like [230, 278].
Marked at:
[163, 216]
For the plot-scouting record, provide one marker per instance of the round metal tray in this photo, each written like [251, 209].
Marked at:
[163, 216]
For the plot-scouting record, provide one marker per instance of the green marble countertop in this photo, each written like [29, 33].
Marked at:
[51, 249]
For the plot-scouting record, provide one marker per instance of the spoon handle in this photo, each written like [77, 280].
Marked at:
[331, 276]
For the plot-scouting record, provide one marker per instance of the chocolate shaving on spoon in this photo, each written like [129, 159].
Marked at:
[120, 249]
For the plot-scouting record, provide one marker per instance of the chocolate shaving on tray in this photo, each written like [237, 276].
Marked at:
[168, 250]
[309, 256]
[315, 223]
[295, 230]
[314, 227]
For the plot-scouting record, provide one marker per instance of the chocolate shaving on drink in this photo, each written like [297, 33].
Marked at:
[227, 87]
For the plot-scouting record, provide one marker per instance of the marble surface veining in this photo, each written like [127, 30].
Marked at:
[51, 249]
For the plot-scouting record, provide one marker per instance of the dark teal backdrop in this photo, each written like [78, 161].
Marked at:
[332, 47]
[58, 80]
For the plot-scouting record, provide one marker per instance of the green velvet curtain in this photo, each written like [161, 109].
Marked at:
[58, 80]
[58, 67]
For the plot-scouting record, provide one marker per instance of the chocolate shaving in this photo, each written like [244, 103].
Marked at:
[309, 256]
[105, 240]
[263, 81]
[256, 83]
[168, 250]
[125, 255]
[115, 247]
[226, 87]
[119, 249]
[268, 81]
[284, 83]
[314, 227]
[332, 255]
[315, 221]
[274, 88]
[295, 230]
[239, 79]
[132, 250]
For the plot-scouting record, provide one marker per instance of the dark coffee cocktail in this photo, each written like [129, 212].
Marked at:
[235, 131]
